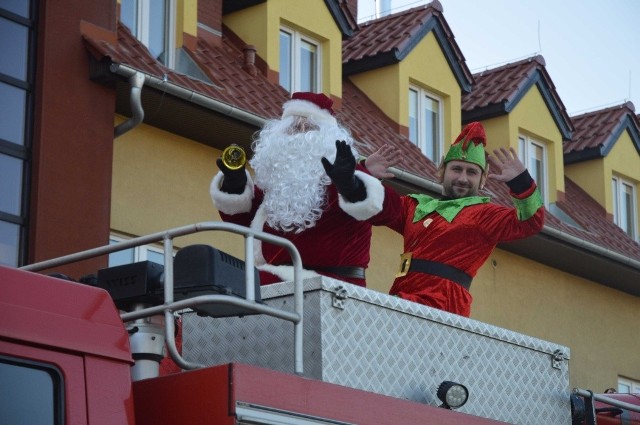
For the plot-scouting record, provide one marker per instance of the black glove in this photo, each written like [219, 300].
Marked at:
[234, 180]
[342, 173]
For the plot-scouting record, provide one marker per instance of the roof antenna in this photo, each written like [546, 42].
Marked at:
[539, 40]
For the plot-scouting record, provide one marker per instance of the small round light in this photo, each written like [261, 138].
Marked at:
[452, 394]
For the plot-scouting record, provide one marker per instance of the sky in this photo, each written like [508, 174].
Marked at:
[591, 47]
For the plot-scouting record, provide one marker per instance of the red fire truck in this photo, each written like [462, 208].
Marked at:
[89, 353]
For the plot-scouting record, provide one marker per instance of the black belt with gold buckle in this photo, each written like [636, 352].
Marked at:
[351, 272]
[442, 270]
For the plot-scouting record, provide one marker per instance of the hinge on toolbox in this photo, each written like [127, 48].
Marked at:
[338, 297]
[557, 358]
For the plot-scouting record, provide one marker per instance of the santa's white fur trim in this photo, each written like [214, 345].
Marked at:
[369, 207]
[307, 109]
[258, 224]
[283, 272]
[231, 203]
[286, 272]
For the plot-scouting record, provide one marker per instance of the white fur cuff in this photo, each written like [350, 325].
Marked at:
[231, 203]
[286, 272]
[372, 205]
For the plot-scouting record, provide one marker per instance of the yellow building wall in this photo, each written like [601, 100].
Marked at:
[161, 181]
[426, 67]
[592, 320]
[383, 87]
[498, 133]
[622, 161]
[186, 18]
[591, 177]
[530, 117]
[260, 25]
[386, 247]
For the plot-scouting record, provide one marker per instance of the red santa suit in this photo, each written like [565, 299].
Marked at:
[337, 240]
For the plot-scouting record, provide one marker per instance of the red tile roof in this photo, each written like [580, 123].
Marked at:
[222, 64]
[498, 91]
[597, 132]
[591, 216]
[390, 39]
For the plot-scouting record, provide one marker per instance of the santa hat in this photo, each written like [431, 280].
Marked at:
[315, 106]
[469, 146]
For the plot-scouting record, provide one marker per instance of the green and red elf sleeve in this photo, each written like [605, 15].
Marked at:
[525, 195]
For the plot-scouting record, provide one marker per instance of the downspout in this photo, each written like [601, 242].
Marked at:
[190, 96]
[550, 231]
[136, 81]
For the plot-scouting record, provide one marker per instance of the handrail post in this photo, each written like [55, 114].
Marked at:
[248, 268]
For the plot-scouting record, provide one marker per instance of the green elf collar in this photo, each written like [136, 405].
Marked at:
[448, 209]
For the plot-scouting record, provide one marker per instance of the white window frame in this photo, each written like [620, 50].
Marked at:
[526, 146]
[297, 40]
[140, 253]
[617, 185]
[142, 30]
[634, 386]
[419, 139]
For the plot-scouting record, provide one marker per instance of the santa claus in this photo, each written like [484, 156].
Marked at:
[291, 195]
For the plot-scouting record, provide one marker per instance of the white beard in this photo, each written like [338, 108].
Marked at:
[289, 172]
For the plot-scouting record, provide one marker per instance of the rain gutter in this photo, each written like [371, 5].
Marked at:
[189, 95]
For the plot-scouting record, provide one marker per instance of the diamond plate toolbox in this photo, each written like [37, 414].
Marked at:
[371, 341]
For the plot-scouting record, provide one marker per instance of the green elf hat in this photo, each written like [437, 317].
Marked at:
[469, 146]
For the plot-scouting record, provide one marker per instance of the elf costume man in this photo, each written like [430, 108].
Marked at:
[447, 240]
[292, 196]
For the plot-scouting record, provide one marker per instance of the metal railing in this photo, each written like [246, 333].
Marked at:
[587, 413]
[170, 306]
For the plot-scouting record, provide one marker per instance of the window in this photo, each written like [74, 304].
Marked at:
[628, 386]
[533, 155]
[153, 23]
[31, 393]
[425, 123]
[299, 62]
[17, 48]
[133, 255]
[624, 206]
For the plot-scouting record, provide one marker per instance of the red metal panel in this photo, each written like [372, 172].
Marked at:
[265, 387]
[109, 395]
[209, 396]
[83, 319]
[196, 397]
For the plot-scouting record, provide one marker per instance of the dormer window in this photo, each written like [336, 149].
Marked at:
[152, 22]
[533, 155]
[300, 59]
[624, 206]
[425, 122]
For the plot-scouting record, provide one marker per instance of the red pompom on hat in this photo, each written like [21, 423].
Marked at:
[472, 132]
[469, 146]
[315, 106]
